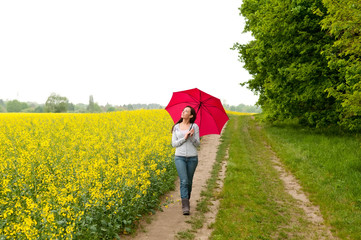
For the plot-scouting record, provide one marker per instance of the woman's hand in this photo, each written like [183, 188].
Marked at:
[189, 133]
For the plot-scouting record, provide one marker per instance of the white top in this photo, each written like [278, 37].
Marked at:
[185, 147]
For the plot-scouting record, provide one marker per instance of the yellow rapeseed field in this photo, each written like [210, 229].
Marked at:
[81, 176]
[239, 113]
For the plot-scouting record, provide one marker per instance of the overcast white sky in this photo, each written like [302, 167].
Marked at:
[121, 52]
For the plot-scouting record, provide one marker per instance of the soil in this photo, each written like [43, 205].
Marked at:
[167, 223]
[312, 211]
[293, 188]
[205, 232]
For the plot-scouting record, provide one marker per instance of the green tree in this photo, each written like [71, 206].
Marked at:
[243, 108]
[39, 109]
[97, 108]
[289, 72]
[71, 107]
[343, 21]
[16, 106]
[2, 106]
[130, 107]
[80, 108]
[111, 109]
[91, 106]
[56, 103]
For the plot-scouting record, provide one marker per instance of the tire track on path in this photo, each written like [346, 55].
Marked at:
[294, 189]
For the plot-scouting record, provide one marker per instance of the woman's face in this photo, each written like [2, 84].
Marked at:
[186, 114]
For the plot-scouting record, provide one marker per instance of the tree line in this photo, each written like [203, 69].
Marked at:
[60, 104]
[305, 60]
[243, 108]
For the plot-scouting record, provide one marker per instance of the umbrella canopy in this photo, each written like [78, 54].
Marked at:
[211, 115]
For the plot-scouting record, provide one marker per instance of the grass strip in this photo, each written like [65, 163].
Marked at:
[328, 166]
[208, 194]
[253, 203]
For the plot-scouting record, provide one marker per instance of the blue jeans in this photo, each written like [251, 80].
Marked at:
[186, 166]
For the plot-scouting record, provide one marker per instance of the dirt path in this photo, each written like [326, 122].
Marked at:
[165, 225]
[205, 232]
[293, 188]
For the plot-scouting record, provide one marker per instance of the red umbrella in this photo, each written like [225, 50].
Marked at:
[211, 115]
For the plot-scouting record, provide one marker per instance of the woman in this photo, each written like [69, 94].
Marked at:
[185, 138]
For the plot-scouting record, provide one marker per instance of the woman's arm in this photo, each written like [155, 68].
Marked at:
[176, 142]
[195, 137]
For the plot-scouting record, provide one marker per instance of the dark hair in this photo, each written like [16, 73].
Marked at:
[192, 120]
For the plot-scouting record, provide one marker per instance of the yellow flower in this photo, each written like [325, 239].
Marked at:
[60, 167]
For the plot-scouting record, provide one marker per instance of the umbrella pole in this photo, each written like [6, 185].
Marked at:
[199, 107]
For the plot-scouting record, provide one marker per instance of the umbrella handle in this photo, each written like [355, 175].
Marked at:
[190, 127]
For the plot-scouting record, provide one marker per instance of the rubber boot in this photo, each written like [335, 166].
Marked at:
[185, 206]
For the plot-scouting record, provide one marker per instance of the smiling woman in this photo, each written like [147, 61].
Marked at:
[185, 138]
